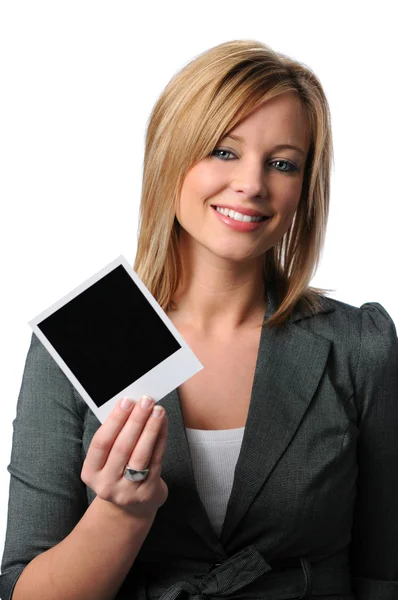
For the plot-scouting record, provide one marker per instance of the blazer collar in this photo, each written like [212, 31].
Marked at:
[290, 354]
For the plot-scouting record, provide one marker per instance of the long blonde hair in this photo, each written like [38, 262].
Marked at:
[203, 101]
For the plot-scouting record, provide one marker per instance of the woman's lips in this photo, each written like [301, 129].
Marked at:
[240, 225]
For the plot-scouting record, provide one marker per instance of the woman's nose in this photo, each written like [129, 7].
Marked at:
[250, 180]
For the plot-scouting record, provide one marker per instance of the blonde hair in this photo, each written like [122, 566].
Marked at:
[203, 101]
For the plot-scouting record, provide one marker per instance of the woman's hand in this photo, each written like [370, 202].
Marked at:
[136, 436]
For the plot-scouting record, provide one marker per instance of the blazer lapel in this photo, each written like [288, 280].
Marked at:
[289, 366]
[290, 363]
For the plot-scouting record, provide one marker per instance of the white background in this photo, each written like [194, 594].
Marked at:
[78, 81]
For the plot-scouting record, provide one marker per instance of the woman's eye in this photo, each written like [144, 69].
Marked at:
[218, 150]
[291, 167]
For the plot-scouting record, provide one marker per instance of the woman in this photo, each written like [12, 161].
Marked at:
[279, 478]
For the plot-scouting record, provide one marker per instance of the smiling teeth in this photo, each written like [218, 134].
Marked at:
[236, 215]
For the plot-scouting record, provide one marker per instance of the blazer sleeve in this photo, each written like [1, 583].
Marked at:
[374, 542]
[46, 496]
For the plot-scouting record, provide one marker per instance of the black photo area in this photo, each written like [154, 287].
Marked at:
[109, 335]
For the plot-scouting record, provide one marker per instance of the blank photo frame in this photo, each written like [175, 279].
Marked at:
[111, 339]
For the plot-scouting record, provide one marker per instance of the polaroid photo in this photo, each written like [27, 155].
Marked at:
[111, 339]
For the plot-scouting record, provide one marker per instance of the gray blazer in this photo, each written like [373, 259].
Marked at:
[313, 508]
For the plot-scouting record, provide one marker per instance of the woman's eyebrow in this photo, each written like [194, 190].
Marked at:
[237, 138]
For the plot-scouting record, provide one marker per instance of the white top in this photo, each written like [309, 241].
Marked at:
[214, 454]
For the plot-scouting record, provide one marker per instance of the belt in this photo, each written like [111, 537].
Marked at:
[281, 580]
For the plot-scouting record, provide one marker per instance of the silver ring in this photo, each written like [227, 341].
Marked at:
[134, 475]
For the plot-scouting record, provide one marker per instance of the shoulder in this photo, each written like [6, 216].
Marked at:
[365, 336]
[366, 333]
[371, 320]
[378, 351]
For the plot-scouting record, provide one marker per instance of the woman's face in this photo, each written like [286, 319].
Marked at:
[251, 173]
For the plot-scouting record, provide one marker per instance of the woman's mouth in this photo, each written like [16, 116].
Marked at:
[239, 222]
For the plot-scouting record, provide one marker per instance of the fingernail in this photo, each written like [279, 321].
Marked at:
[157, 411]
[126, 402]
[146, 401]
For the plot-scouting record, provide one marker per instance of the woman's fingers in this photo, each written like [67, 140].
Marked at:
[127, 439]
[104, 438]
[155, 465]
[141, 455]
